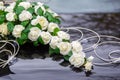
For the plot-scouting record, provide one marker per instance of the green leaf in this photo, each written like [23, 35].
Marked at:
[28, 28]
[49, 16]
[39, 26]
[56, 30]
[40, 11]
[31, 10]
[10, 26]
[20, 41]
[34, 3]
[19, 9]
[34, 16]
[53, 51]
[46, 7]
[85, 61]
[66, 57]
[65, 40]
[40, 40]
[25, 23]
[18, 1]
[23, 36]
[2, 19]
[35, 43]
[57, 21]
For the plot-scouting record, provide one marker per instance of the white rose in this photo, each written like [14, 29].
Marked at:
[2, 8]
[55, 41]
[63, 35]
[34, 33]
[46, 37]
[43, 22]
[76, 47]
[40, 5]
[10, 16]
[90, 59]
[11, 7]
[26, 5]
[81, 53]
[64, 47]
[76, 60]
[17, 31]
[88, 65]
[1, 4]
[34, 22]
[25, 15]
[3, 29]
[52, 26]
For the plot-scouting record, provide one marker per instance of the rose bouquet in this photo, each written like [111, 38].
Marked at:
[36, 23]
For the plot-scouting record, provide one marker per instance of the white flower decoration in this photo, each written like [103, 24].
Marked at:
[76, 60]
[64, 47]
[39, 5]
[52, 26]
[46, 37]
[1, 3]
[43, 22]
[34, 33]
[34, 22]
[2, 8]
[76, 47]
[17, 31]
[90, 59]
[26, 5]
[3, 29]
[81, 53]
[55, 41]
[63, 35]
[88, 65]
[25, 15]
[11, 7]
[10, 16]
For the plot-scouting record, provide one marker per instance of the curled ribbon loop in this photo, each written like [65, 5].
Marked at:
[10, 53]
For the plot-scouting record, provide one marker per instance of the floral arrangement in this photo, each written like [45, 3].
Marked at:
[35, 22]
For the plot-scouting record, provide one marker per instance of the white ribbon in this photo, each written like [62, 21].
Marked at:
[11, 54]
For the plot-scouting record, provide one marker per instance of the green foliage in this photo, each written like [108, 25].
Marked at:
[50, 18]
[65, 40]
[56, 30]
[31, 10]
[20, 41]
[53, 51]
[28, 28]
[35, 43]
[25, 23]
[39, 26]
[46, 7]
[2, 17]
[34, 3]
[40, 11]
[18, 1]
[19, 9]
[24, 36]
[10, 26]
[54, 33]
[66, 57]
[40, 40]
